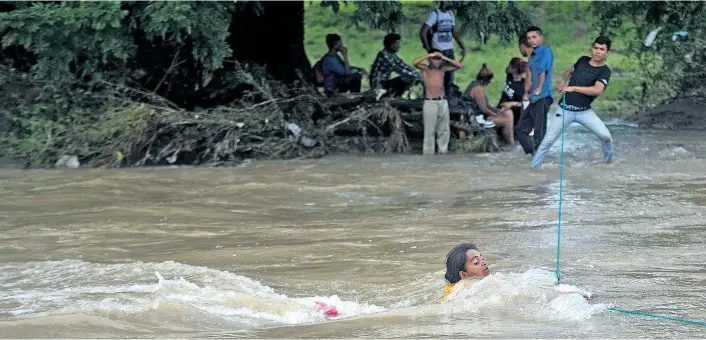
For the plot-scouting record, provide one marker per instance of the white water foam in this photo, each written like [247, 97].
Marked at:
[175, 290]
[78, 287]
[533, 293]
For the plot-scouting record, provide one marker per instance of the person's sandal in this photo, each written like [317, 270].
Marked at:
[484, 123]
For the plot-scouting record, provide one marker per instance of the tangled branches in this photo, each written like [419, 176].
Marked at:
[119, 126]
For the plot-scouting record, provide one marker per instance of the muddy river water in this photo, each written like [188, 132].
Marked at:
[248, 251]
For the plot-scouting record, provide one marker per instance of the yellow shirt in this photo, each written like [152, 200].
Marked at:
[447, 290]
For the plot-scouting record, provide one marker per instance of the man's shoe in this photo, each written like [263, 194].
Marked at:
[379, 93]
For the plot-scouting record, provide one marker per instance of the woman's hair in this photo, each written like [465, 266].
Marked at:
[485, 74]
[456, 261]
[518, 64]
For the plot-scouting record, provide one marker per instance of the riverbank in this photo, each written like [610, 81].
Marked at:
[679, 114]
[568, 42]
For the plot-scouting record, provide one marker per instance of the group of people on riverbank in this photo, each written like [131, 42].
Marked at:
[527, 94]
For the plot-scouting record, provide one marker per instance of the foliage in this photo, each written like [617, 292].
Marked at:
[74, 40]
[481, 19]
[672, 66]
[205, 23]
[71, 40]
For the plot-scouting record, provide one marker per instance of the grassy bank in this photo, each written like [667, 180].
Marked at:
[568, 27]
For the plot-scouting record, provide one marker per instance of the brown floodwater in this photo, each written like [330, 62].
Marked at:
[247, 251]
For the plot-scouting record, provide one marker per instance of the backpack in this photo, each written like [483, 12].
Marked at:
[318, 70]
[432, 30]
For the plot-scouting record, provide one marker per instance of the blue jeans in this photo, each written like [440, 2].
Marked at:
[448, 76]
[588, 119]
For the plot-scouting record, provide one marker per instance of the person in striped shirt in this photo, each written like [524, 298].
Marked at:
[387, 62]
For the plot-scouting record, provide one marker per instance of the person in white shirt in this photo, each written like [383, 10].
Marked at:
[438, 33]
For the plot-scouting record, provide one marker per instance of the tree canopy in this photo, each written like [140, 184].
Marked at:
[120, 41]
[671, 64]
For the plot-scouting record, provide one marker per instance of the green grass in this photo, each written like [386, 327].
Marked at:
[568, 30]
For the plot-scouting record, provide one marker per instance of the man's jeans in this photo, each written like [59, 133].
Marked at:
[448, 76]
[534, 117]
[588, 119]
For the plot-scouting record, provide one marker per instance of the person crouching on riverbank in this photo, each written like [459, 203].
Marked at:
[589, 78]
[436, 107]
[463, 262]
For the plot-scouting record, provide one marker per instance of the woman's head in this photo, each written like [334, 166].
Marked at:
[484, 75]
[516, 66]
[464, 261]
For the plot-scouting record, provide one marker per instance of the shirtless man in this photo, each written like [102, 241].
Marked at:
[436, 107]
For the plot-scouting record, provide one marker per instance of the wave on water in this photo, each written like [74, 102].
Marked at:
[170, 292]
[76, 287]
[532, 293]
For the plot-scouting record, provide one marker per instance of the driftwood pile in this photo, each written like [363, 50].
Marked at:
[299, 127]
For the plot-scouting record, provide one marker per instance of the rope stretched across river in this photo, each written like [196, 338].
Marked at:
[558, 241]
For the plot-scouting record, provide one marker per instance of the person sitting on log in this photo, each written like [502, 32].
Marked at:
[436, 107]
[339, 76]
[514, 88]
[385, 63]
[478, 100]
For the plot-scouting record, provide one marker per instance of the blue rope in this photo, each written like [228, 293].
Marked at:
[561, 189]
[658, 316]
[558, 242]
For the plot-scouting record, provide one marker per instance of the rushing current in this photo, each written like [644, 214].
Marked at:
[249, 251]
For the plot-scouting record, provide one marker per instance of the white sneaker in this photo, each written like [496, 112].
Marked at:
[484, 123]
[379, 93]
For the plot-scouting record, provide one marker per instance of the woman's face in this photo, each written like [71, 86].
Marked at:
[476, 266]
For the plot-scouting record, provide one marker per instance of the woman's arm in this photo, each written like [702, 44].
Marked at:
[510, 104]
[478, 94]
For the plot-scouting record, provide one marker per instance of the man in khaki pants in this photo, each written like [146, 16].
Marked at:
[436, 107]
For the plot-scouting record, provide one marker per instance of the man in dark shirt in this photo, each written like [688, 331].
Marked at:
[589, 78]
[339, 76]
[385, 63]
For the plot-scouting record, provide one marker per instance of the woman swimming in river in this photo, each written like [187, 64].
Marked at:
[465, 261]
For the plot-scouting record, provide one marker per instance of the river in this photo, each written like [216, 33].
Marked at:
[247, 251]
